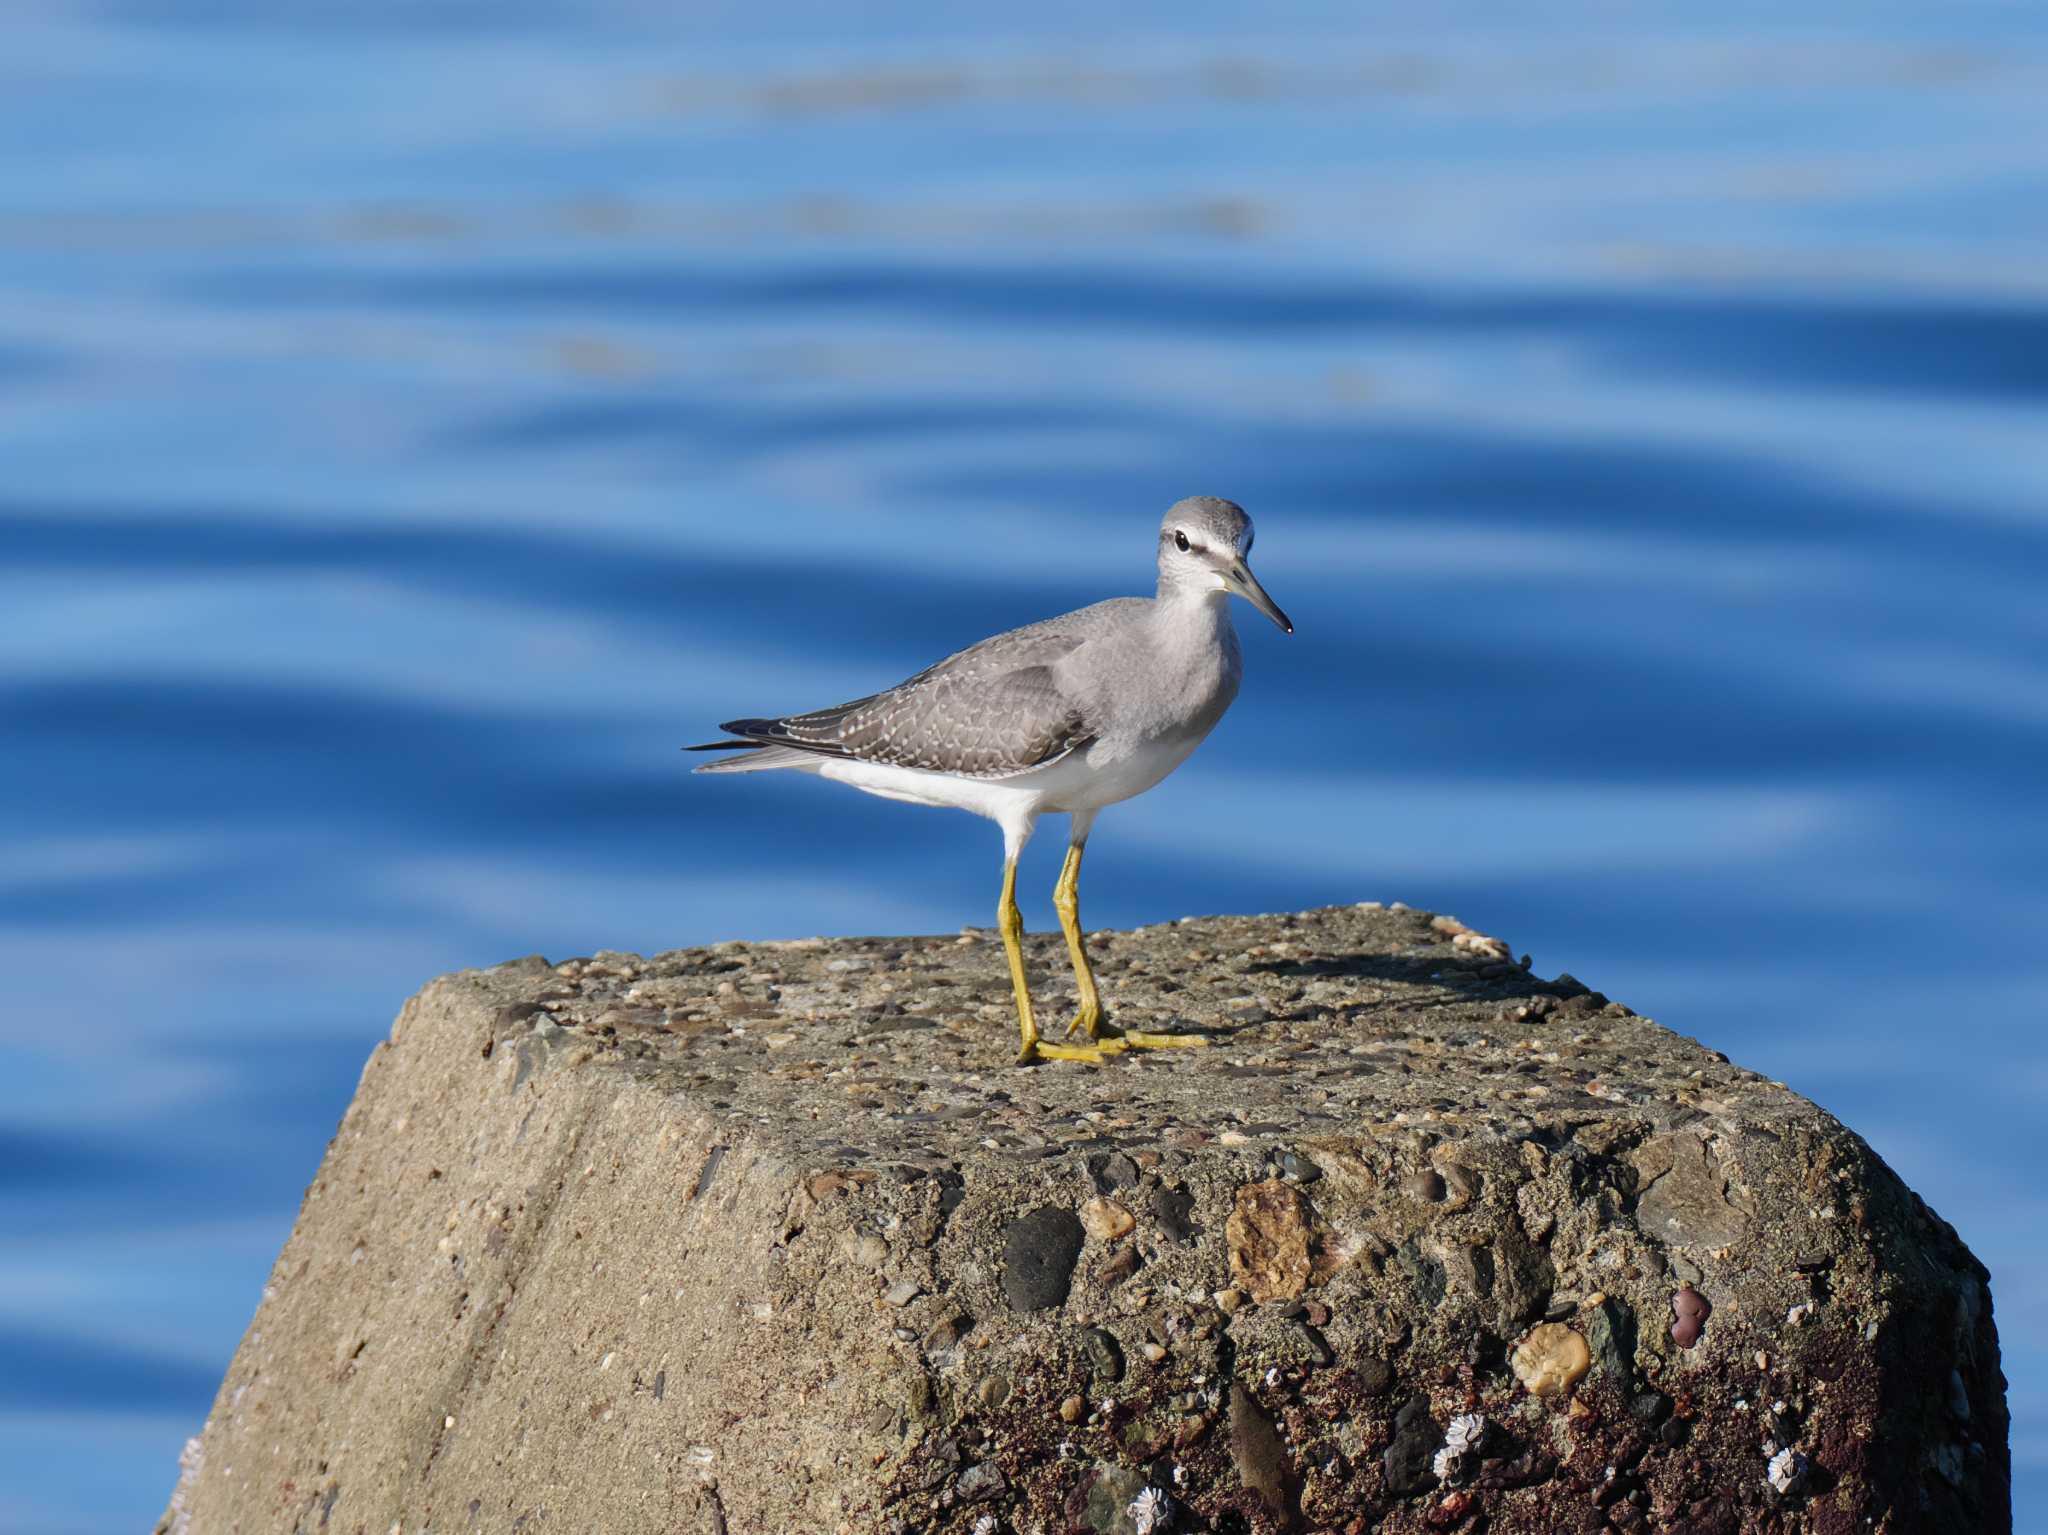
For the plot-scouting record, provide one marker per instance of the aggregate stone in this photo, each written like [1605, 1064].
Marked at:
[1172, 1209]
[1260, 1458]
[775, 1236]
[1299, 1168]
[980, 1481]
[1373, 1374]
[1105, 1355]
[1107, 1498]
[1610, 1330]
[1268, 1233]
[1110, 1171]
[1039, 1250]
[1413, 1447]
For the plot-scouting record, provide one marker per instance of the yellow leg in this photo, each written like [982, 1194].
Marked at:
[1010, 922]
[1066, 898]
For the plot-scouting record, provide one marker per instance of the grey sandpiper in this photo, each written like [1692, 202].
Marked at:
[1068, 715]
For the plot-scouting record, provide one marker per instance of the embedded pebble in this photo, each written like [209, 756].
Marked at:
[1406, 1459]
[979, 1482]
[1550, 1359]
[1268, 1234]
[1426, 1185]
[1118, 1267]
[1105, 1219]
[1173, 1209]
[1256, 1450]
[1691, 1310]
[1111, 1171]
[1461, 1184]
[1039, 1250]
[1105, 1354]
[1299, 1168]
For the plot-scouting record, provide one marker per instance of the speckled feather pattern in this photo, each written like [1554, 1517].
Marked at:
[993, 710]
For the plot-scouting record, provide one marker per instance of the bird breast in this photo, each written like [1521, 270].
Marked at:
[1169, 682]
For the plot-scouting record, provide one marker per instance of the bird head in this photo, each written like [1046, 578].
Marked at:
[1205, 544]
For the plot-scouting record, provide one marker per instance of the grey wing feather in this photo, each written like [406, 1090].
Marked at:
[993, 710]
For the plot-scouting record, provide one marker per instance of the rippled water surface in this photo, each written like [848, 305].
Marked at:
[416, 421]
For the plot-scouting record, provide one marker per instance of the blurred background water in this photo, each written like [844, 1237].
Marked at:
[418, 420]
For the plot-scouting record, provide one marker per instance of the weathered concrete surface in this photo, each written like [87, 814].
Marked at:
[773, 1238]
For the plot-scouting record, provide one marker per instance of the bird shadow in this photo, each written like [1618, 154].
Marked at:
[1422, 970]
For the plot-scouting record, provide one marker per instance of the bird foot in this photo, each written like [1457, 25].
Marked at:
[1039, 1050]
[1132, 1039]
[1113, 1041]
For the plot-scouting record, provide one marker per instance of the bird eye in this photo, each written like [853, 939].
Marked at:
[1180, 541]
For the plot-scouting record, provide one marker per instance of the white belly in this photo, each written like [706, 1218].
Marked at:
[1085, 781]
[1097, 777]
[999, 800]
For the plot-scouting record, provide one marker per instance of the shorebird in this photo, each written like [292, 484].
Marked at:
[1069, 715]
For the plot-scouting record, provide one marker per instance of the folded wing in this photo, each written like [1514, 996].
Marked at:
[983, 727]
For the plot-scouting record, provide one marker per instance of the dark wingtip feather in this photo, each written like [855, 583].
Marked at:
[727, 746]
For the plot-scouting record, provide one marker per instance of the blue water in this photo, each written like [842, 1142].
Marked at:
[417, 420]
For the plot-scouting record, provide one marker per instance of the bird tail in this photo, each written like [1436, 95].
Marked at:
[752, 757]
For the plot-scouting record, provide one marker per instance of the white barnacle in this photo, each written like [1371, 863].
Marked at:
[1787, 1470]
[1151, 1512]
[987, 1524]
[1461, 1442]
[190, 1460]
[1465, 1433]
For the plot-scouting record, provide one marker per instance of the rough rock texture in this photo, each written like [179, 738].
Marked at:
[773, 1238]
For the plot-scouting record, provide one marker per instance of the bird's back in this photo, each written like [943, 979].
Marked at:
[994, 709]
[1038, 644]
